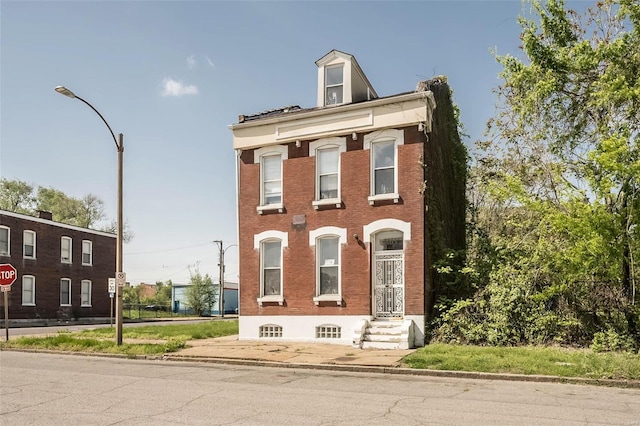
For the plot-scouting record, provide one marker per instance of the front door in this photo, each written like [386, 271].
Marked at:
[388, 275]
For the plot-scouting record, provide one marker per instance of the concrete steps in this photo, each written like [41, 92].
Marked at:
[387, 334]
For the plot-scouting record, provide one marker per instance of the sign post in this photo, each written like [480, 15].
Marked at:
[112, 292]
[8, 275]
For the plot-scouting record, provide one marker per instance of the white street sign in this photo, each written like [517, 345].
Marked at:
[112, 285]
[5, 288]
[121, 279]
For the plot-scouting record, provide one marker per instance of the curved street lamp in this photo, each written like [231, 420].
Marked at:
[120, 148]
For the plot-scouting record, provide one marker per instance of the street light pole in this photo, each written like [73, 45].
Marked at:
[120, 148]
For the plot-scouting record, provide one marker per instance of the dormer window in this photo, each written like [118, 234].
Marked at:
[341, 80]
[334, 80]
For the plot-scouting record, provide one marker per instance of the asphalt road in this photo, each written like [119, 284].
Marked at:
[46, 389]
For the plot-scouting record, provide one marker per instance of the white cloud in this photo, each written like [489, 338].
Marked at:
[191, 62]
[171, 87]
[210, 62]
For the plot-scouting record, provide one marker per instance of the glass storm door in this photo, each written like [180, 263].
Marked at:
[388, 275]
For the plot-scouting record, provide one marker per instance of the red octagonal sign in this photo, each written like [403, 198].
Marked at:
[8, 274]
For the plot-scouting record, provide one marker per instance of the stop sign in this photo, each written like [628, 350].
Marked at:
[8, 274]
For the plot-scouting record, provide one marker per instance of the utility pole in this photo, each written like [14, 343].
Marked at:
[221, 279]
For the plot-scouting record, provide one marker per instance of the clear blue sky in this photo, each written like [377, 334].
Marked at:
[171, 76]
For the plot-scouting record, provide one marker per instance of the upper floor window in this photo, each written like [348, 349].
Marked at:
[334, 85]
[270, 159]
[65, 250]
[5, 239]
[85, 293]
[87, 252]
[328, 241]
[270, 245]
[29, 244]
[271, 180]
[384, 163]
[65, 292]
[327, 153]
[28, 290]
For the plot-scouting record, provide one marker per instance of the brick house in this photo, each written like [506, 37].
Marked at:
[63, 270]
[335, 240]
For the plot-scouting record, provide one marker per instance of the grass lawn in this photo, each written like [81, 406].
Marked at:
[102, 340]
[527, 360]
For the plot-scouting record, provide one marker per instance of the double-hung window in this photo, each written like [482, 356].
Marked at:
[327, 153]
[65, 250]
[334, 85]
[271, 268]
[328, 241]
[270, 159]
[87, 252]
[28, 290]
[5, 239]
[85, 293]
[65, 292]
[29, 245]
[270, 245]
[384, 164]
[271, 180]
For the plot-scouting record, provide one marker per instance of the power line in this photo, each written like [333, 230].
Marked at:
[169, 249]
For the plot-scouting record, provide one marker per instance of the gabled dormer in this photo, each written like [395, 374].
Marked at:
[341, 80]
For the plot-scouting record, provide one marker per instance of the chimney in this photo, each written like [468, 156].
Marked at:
[45, 215]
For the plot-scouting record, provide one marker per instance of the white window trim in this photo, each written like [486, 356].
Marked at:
[386, 224]
[33, 290]
[82, 283]
[70, 260]
[258, 239]
[386, 135]
[341, 144]
[314, 236]
[90, 252]
[25, 232]
[60, 292]
[266, 151]
[8, 253]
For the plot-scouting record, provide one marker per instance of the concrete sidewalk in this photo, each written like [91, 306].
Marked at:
[230, 348]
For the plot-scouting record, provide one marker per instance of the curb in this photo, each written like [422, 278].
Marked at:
[354, 368]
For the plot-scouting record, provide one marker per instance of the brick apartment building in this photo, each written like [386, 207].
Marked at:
[336, 239]
[63, 270]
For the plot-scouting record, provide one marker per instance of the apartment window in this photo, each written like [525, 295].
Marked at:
[85, 293]
[28, 290]
[271, 180]
[327, 241]
[270, 159]
[384, 163]
[327, 153]
[29, 244]
[334, 85]
[65, 250]
[5, 239]
[271, 268]
[384, 166]
[328, 262]
[65, 292]
[87, 252]
[328, 167]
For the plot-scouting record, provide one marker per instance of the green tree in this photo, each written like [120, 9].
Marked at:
[558, 200]
[16, 196]
[201, 294]
[131, 295]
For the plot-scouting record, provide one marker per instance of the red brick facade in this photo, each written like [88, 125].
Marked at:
[48, 269]
[298, 263]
